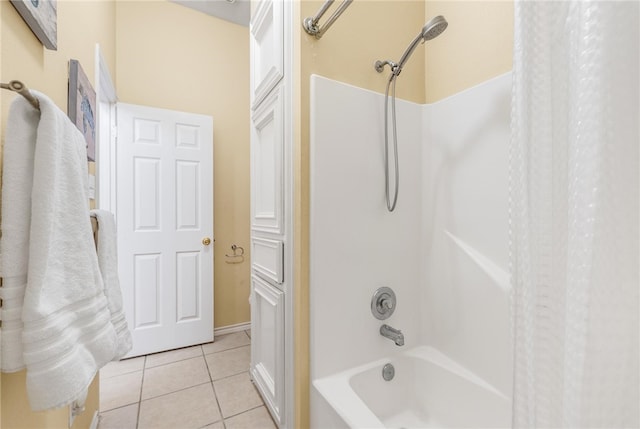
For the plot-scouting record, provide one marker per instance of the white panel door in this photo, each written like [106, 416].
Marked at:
[267, 165]
[267, 348]
[165, 216]
[267, 49]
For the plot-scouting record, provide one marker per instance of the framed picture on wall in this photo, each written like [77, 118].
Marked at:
[82, 106]
[42, 18]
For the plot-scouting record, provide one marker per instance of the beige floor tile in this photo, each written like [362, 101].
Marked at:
[258, 418]
[120, 390]
[186, 409]
[158, 359]
[120, 418]
[126, 366]
[229, 362]
[226, 342]
[174, 376]
[236, 394]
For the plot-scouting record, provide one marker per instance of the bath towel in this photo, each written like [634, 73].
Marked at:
[17, 180]
[108, 262]
[67, 333]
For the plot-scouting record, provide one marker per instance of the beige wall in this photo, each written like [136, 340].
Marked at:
[367, 31]
[24, 58]
[477, 45]
[176, 58]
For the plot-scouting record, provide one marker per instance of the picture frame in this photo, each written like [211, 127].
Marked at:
[81, 107]
[42, 18]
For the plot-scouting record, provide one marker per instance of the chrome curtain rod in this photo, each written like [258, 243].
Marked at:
[311, 24]
[21, 88]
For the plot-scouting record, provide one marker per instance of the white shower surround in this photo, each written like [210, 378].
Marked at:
[444, 249]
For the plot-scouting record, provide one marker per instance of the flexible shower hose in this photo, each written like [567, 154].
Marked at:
[390, 205]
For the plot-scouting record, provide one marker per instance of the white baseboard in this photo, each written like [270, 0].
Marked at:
[231, 329]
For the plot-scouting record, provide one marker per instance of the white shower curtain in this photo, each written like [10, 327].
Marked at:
[574, 214]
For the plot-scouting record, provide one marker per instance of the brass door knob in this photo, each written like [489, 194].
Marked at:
[206, 241]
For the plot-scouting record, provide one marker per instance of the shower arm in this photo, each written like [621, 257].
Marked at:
[379, 66]
[396, 68]
[432, 29]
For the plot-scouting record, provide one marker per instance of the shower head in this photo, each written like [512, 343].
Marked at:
[434, 28]
[431, 30]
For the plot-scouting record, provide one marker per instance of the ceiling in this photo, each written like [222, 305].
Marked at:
[238, 11]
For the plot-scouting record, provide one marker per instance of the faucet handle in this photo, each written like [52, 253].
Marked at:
[386, 303]
[383, 303]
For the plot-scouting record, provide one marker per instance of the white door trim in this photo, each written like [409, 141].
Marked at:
[289, 260]
[106, 98]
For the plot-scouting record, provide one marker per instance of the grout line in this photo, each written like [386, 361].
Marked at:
[176, 361]
[107, 377]
[233, 375]
[144, 364]
[229, 376]
[226, 350]
[221, 421]
[250, 409]
[110, 380]
[175, 391]
[116, 408]
[206, 364]
[262, 404]
[215, 395]
[245, 411]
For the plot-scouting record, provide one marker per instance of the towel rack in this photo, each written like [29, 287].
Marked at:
[310, 24]
[21, 88]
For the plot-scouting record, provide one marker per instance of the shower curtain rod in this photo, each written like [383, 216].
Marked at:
[310, 24]
[21, 88]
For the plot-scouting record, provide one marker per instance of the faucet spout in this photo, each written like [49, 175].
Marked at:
[394, 335]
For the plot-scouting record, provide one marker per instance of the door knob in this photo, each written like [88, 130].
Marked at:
[206, 241]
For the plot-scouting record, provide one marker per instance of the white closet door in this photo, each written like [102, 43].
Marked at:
[267, 166]
[165, 226]
[271, 202]
[267, 49]
[267, 348]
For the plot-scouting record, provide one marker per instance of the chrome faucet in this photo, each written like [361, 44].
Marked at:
[394, 335]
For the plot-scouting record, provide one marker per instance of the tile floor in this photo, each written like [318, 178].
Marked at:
[205, 386]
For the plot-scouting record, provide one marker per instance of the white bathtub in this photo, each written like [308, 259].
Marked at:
[429, 390]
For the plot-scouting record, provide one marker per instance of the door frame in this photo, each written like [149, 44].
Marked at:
[292, 367]
[106, 98]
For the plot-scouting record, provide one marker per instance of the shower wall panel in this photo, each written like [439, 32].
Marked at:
[465, 281]
[444, 249]
[357, 246]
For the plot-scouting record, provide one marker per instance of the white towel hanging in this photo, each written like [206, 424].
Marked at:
[66, 329]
